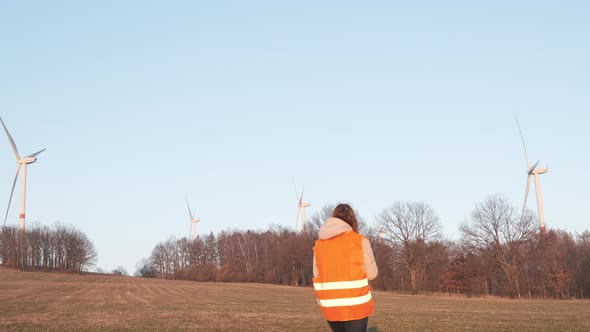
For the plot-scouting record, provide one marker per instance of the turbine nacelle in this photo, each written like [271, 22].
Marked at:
[541, 170]
[196, 220]
[534, 170]
[27, 160]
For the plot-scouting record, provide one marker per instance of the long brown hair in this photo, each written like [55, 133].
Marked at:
[345, 213]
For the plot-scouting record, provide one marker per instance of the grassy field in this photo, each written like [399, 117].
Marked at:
[68, 302]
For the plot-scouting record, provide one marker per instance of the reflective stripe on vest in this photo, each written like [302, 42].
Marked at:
[345, 301]
[340, 284]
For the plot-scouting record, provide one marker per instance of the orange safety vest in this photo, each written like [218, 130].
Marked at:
[342, 287]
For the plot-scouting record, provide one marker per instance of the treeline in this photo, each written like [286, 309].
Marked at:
[56, 248]
[500, 253]
[278, 256]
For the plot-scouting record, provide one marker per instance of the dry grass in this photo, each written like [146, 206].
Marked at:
[69, 302]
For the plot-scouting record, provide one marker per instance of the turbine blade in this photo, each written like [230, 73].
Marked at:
[526, 196]
[295, 187]
[11, 193]
[301, 199]
[14, 149]
[533, 167]
[189, 209]
[528, 165]
[35, 154]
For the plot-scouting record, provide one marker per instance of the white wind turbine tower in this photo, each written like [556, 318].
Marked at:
[533, 171]
[193, 221]
[21, 163]
[301, 205]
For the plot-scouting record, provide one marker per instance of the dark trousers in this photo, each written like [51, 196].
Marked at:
[359, 325]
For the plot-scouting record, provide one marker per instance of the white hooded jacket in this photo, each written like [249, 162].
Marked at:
[334, 227]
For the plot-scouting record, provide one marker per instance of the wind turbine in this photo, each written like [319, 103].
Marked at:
[533, 171]
[301, 205]
[193, 221]
[21, 163]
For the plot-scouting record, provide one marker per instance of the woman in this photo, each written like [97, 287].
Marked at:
[343, 263]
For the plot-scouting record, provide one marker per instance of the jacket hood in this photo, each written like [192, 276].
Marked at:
[333, 227]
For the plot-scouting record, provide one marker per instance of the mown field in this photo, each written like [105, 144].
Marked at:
[33, 301]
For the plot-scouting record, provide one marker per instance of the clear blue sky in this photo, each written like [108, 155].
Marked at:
[140, 104]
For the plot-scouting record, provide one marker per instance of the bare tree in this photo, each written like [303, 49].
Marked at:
[61, 248]
[583, 264]
[315, 222]
[408, 227]
[120, 271]
[144, 269]
[497, 230]
[100, 270]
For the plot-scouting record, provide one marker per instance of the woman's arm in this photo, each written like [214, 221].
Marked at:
[368, 260]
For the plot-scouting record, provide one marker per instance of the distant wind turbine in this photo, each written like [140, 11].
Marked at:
[193, 221]
[533, 171]
[301, 205]
[21, 163]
